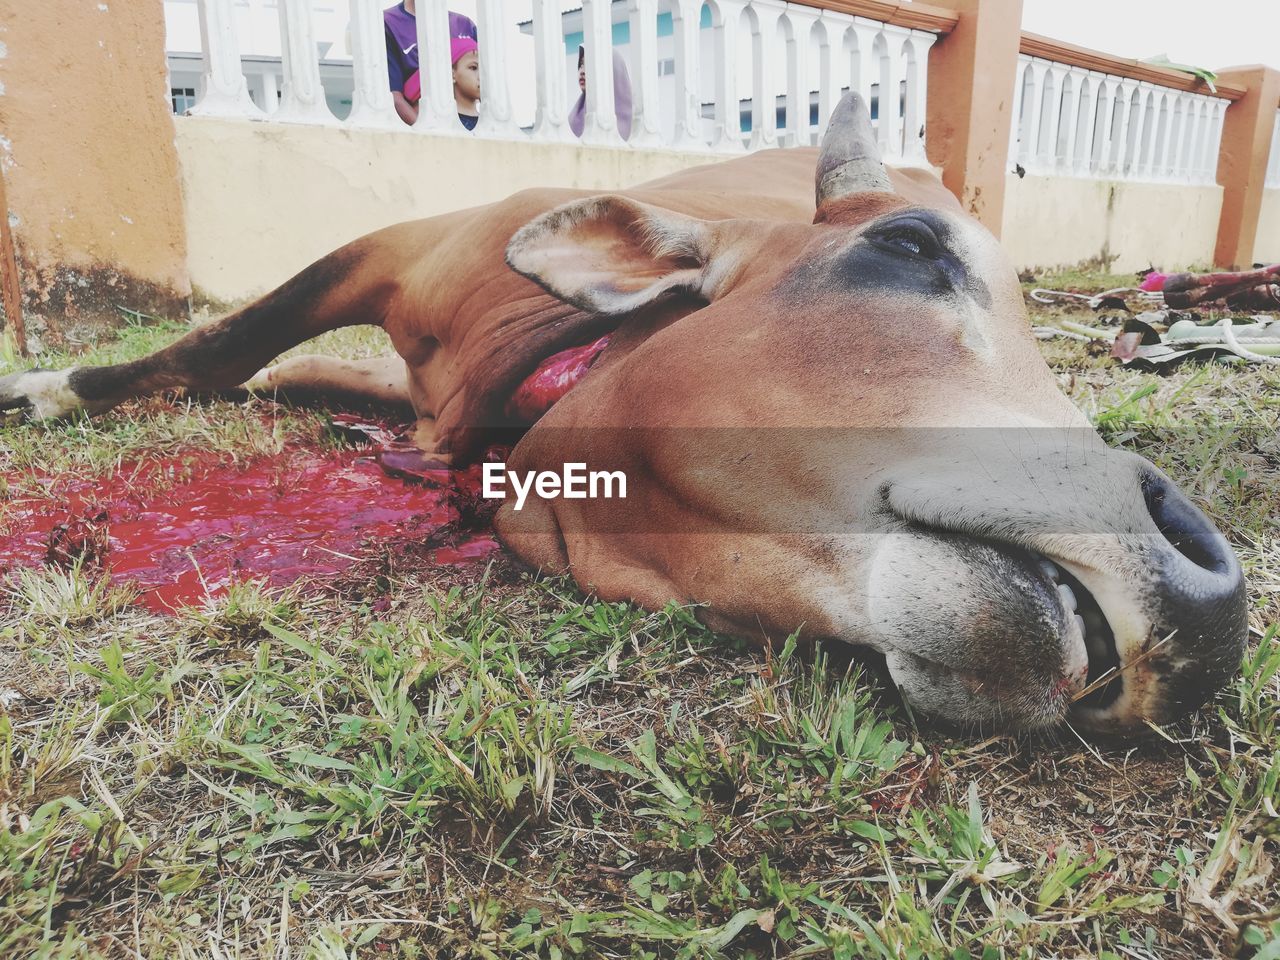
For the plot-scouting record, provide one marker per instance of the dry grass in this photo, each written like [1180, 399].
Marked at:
[496, 766]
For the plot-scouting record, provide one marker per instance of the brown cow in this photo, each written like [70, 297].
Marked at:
[835, 423]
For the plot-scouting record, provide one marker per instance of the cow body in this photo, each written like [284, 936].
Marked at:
[833, 421]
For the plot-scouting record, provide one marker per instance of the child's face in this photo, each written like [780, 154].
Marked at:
[466, 75]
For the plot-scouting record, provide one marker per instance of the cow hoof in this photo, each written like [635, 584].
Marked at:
[39, 394]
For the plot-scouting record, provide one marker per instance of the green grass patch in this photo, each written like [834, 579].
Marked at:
[497, 766]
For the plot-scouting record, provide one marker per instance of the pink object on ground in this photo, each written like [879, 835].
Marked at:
[1153, 282]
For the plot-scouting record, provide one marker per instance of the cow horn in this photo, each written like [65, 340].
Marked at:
[849, 161]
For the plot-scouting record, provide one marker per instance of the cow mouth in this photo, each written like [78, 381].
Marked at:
[981, 630]
[551, 379]
[1088, 625]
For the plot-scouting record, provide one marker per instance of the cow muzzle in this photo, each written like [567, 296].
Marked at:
[998, 608]
[1192, 637]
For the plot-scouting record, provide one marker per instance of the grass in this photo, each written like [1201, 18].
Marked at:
[497, 766]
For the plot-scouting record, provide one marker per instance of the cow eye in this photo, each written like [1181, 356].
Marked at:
[909, 236]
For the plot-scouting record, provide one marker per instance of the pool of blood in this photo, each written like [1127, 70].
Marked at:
[184, 529]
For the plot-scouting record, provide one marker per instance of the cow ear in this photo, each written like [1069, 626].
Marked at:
[610, 255]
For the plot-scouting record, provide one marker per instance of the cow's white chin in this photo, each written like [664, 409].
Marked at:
[985, 634]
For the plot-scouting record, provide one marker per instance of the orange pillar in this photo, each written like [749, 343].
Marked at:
[971, 79]
[93, 186]
[1242, 162]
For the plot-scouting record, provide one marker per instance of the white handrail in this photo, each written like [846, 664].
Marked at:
[1072, 121]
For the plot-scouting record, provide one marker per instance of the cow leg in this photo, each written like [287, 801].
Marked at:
[350, 286]
[380, 380]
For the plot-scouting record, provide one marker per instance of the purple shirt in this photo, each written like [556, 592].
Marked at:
[402, 41]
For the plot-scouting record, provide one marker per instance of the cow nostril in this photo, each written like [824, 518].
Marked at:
[1188, 530]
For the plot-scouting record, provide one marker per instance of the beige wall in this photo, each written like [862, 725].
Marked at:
[86, 147]
[1065, 221]
[263, 200]
[1266, 248]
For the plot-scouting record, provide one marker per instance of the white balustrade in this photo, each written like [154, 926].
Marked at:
[1273, 164]
[761, 51]
[1071, 121]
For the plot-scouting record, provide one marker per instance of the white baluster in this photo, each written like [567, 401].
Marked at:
[271, 92]
[835, 69]
[1133, 142]
[1164, 129]
[1070, 116]
[728, 125]
[437, 109]
[867, 33]
[1219, 117]
[889, 133]
[686, 19]
[496, 115]
[917, 98]
[1187, 146]
[1175, 135]
[551, 122]
[646, 121]
[1103, 134]
[1146, 142]
[764, 111]
[1082, 162]
[1120, 126]
[801, 20]
[371, 104]
[1206, 160]
[1032, 120]
[1204, 118]
[1018, 109]
[302, 95]
[599, 122]
[1050, 108]
[226, 94]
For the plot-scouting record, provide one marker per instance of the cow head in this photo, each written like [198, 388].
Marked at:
[846, 428]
